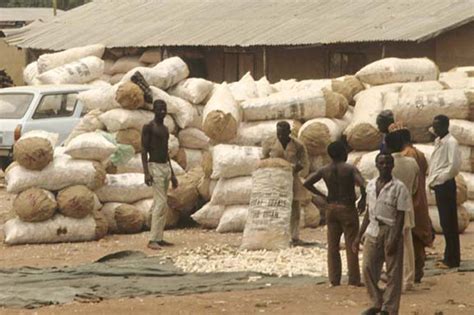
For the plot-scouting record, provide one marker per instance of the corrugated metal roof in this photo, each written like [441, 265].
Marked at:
[26, 14]
[142, 23]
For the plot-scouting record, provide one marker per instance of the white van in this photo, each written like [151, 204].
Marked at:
[52, 108]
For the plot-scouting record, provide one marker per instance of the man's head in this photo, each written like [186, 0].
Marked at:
[394, 141]
[384, 163]
[384, 120]
[441, 125]
[283, 130]
[337, 151]
[160, 109]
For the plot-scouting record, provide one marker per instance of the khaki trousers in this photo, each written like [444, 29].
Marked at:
[161, 176]
[375, 254]
[295, 220]
[342, 219]
[408, 260]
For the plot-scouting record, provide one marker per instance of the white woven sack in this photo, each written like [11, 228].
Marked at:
[50, 61]
[90, 122]
[30, 73]
[90, 146]
[463, 131]
[244, 89]
[268, 223]
[102, 98]
[284, 85]
[367, 166]
[100, 82]
[418, 109]
[78, 72]
[125, 188]
[189, 158]
[135, 166]
[391, 70]
[119, 119]
[180, 109]
[209, 215]
[197, 117]
[61, 173]
[256, 132]
[469, 179]
[264, 88]
[193, 138]
[413, 87]
[312, 84]
[469, 206]
[221, 115]
[457, 80]
[232, 161]
[362, 133]
[233, 219]
[467, 155]
[463, 219]
[194, 90]
[232, 191]
[50, 136]
[59, 229]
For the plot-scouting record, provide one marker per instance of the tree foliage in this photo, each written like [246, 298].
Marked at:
[62, 4]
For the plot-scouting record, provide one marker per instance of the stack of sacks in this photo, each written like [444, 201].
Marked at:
[81, 65]
[55, 201]
[365, 162]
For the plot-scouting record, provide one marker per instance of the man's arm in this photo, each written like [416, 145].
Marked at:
[313, 179]
[174, 180]
[360, 181]
[454, 161]
[404, 204]
[365, 224]
[145, 150]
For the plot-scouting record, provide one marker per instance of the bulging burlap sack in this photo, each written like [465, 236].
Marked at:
[125, 64]
[76, 201]
[130, 96]
[90, 146]
[348, 86]
[35, 205]
[310, 215]
[185, 198]
[316, 134]
[469, 205]
[206, 188]
[62, 173]
[461, 192]
[129, 219]
[463, 131]
[255, 133]
[58, 229]
[193, 138]
[189, 158]
[131, 137]
[232, 160]
[469, 179]
[221, 116]
[53, 60]
[101, 224]
[172, 216]
[463, 219]
[234, 219]
[268, 222]
[151, 56]
[390, 70]
[293, 104]
[209, 215]
[33, 153]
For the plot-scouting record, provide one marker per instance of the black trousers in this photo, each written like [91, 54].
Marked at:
[448, 218]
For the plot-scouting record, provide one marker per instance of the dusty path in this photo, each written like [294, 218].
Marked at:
[451, 294]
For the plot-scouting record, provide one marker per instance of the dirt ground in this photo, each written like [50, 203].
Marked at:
[450, 293]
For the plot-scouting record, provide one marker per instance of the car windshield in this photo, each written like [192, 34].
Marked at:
[14, 105]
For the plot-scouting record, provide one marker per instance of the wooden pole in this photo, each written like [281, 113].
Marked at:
[55, 7]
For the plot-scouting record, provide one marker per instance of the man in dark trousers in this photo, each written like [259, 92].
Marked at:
[388, 200]
[158, 171]
[341, 214]
[445, 164]
[384, 120]
[289, 148]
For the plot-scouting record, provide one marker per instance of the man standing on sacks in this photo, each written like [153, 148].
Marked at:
[286, 147]
[158, 171]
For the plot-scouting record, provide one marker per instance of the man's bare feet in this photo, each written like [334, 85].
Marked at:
[154, 245]
[165, 243]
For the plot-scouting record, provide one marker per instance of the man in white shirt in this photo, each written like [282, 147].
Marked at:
[388, 200]
[445, 164]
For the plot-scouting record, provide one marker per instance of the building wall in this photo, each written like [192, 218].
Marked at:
[13, 60]
[455, 48]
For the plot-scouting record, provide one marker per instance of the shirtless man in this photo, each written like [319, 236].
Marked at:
[341, 214]
[158, 171]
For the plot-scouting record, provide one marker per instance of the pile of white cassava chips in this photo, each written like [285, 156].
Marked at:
[94, 184]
